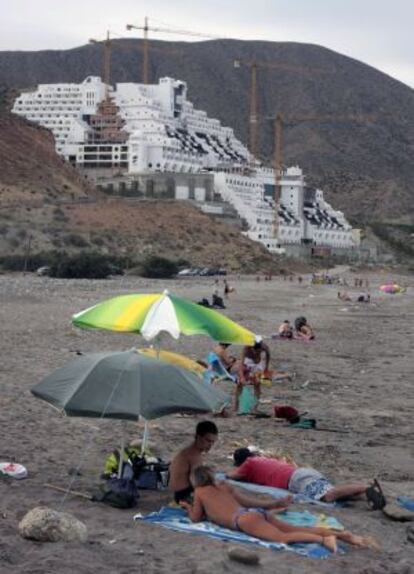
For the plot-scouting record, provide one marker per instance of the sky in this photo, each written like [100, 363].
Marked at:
[373, 31]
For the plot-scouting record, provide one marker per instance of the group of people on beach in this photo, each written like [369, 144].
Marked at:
[301, 330]
[196, 489]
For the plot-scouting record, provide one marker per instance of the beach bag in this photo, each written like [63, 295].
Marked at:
[247, 401]
[118, 492]
[286, 412]
[146, 475]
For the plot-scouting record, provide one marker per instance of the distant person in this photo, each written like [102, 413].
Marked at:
[286, 330]
[189, 458]
[364, 298]
[344, 296]
[228, 361]
[298, 480]
[227, 289]
[216, 291]
[303, 329]
[254, 364]
[217, 302]
[223, 505]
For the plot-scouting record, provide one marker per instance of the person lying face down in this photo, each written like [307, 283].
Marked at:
[223, 505]
[277, 473]
[190, 457]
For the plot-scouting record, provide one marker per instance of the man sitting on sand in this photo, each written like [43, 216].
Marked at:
[285, 330]
[280, 474]
[225, 506]
[189, 458]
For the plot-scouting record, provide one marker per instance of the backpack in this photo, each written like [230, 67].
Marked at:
[118, 492]
[147, 475]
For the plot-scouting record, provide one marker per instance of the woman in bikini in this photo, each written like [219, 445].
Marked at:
[225, 506]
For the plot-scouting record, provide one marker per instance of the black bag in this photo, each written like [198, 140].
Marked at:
[146, 475]
[118, 492]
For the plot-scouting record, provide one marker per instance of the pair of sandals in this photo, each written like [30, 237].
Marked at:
[375, 496]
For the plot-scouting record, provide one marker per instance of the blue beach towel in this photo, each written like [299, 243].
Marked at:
[405, 502]
[176, 519]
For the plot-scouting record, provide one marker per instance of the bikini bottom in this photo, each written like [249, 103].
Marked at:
[242, 511]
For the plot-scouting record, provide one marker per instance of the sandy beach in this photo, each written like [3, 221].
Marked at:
[357, 376]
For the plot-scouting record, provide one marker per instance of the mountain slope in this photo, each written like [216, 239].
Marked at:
[365, 167]
[45, 206]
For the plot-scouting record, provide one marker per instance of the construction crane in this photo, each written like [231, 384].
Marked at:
[280, 122]
[107, 48]
[146, 28]
[253, 115]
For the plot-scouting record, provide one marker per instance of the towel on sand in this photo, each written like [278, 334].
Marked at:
[273, 491]
[176, 519]
[405, 502]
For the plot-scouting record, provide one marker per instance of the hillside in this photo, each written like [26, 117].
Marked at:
[45, 205]
[365, 167]
[30, 169]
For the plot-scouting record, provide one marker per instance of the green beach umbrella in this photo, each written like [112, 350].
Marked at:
[127, 385]
[153, 313]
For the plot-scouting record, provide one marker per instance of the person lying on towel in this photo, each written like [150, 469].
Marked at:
[277, 473]
[223, 505]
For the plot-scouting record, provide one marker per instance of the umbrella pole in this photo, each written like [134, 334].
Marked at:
[144, 439]
[121, 453]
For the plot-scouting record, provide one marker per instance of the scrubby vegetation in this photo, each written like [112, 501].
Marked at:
[159, 268]
[84, 265]
[399, 237]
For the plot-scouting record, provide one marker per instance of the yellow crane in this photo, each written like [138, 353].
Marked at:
[280, 122]
[107, 48]
[254, 65]
[146, 28]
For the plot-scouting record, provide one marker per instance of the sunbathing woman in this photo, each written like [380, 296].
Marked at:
[224, 506]
[303, 329]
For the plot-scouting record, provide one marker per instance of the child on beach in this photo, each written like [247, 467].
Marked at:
[225, 506]
[286, 330]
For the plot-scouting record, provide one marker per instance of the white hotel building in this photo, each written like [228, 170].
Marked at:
[140, 129]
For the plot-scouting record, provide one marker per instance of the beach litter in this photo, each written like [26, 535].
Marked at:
[13, 470]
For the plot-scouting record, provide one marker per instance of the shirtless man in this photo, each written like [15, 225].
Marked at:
[285, 330]
[189, 458]
[225, 506]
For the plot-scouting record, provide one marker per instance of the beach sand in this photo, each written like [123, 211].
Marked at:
[357, 376]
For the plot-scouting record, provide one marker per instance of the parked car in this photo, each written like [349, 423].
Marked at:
[43, 271]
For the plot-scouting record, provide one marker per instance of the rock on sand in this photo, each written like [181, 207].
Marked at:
[47, 525]
[243, 555]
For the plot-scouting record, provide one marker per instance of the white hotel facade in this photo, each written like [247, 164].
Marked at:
[140, 129]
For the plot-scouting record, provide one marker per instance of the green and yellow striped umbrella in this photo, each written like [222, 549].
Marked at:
[153, 313]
